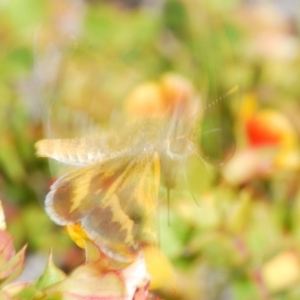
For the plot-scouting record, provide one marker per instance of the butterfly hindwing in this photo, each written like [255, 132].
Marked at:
[115, 201]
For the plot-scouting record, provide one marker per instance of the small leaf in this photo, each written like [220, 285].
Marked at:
[51, 275]
[29, 293]
[13, 268]
[6, 248]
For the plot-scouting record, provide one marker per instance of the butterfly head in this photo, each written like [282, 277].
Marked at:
[180, 148]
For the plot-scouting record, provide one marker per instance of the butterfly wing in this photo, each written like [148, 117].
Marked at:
[81, 151]
[101, 146]
[115, 201]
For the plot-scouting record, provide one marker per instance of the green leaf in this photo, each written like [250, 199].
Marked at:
[6, 248]
[13, 268]
[51, 275]
[29, 293]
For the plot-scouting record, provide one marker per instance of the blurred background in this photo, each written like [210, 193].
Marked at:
[232, 230]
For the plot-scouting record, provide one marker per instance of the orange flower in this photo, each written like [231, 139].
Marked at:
[268, 127]
[171, 94]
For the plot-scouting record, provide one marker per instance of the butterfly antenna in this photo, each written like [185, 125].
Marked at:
[208, 167]
[230, 92]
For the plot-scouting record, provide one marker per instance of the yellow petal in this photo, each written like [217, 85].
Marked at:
[77, 234]
[160, 269]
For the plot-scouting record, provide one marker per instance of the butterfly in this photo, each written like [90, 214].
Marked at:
[113, 193]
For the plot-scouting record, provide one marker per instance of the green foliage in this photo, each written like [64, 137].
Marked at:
[65, 79]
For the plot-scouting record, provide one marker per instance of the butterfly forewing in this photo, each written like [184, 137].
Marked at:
[99, 147]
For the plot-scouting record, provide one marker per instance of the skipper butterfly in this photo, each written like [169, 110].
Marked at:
[113, 194]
